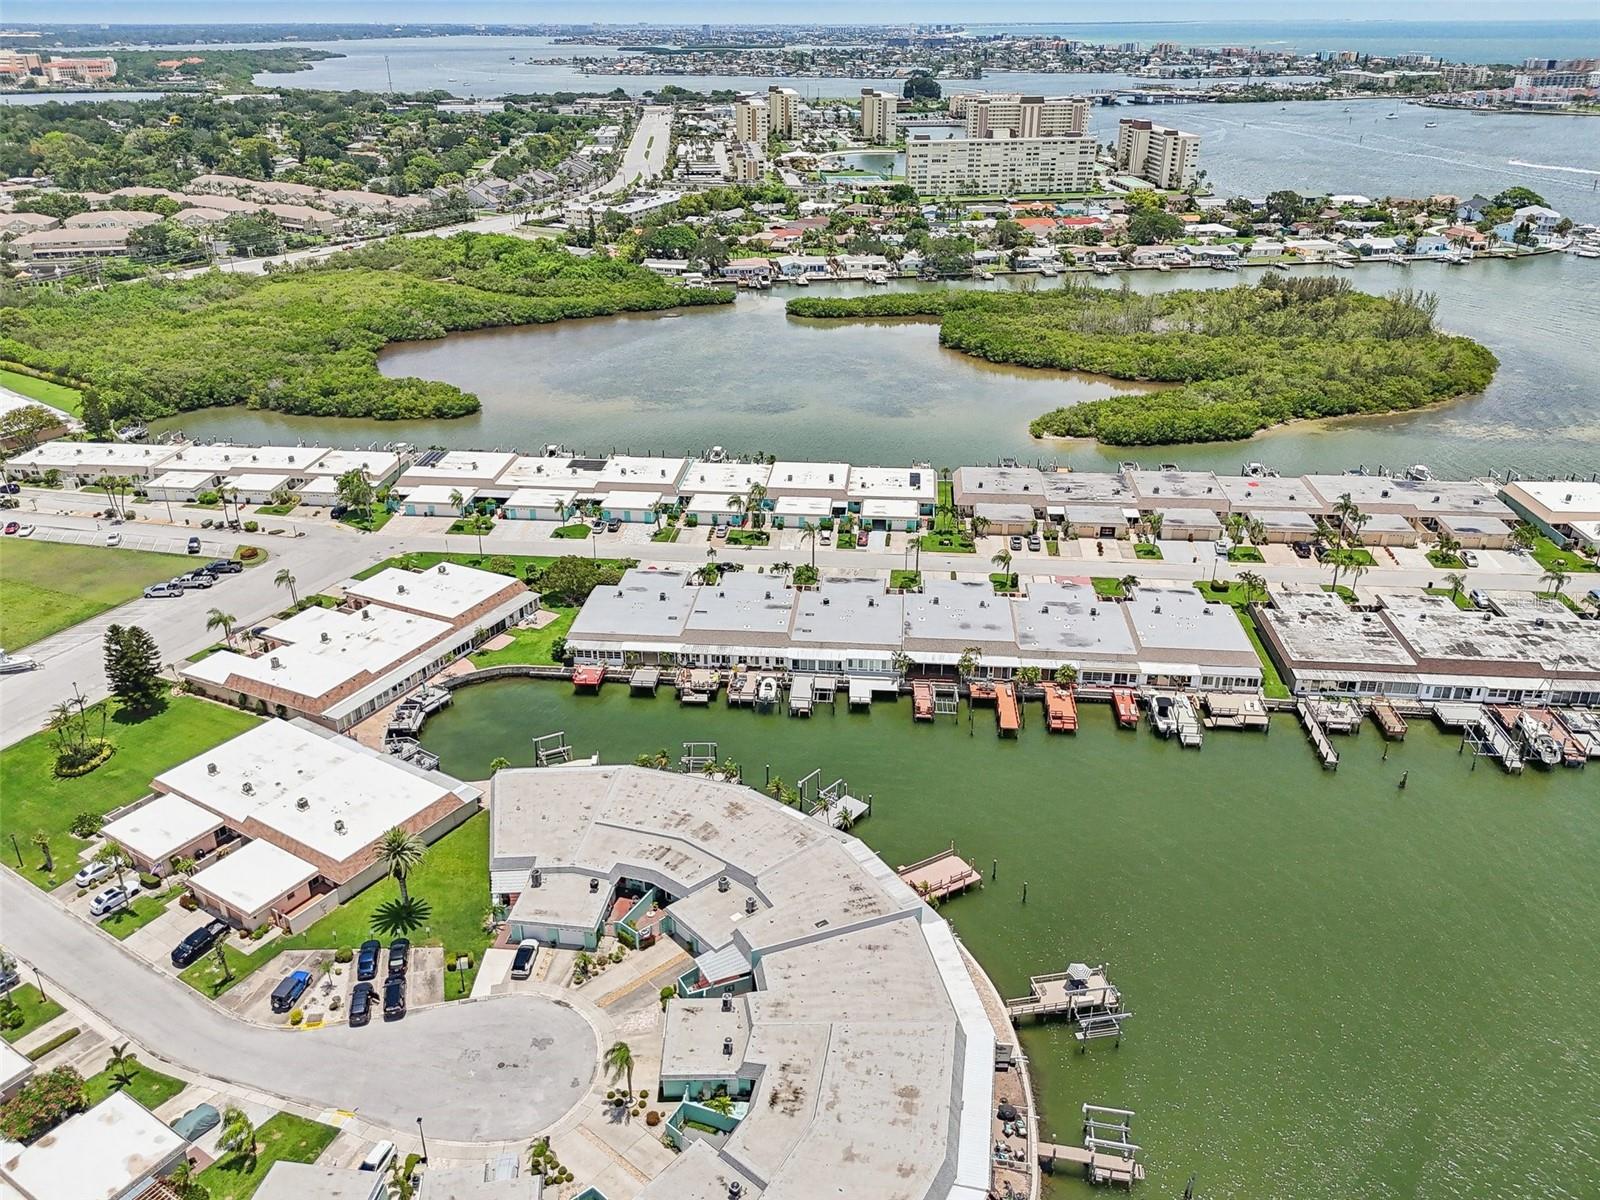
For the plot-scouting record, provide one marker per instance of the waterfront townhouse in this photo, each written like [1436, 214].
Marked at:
[1420, 502]
[892, 497]
[1254, 495]
[709, 487]
[80, 463]
[971, 486]
[337, 666]
[1091, 504]
[253, 470]
[1567, 510]
[293, 814]
[1166, 492]
[807, 490]
[380, 468]
[821, 985]
[428, 483]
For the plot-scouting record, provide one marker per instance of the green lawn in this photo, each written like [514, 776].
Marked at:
[379, 518]
[909, 581]
[450, 895]
[947, 543]
[149, 1087]
[282, 1138]
[1245, 554]
[56, 395]
[1233, 595]
[1347, 594]
[46, 587]
[1002, 582]
[36, 1011]
[576, 531]
[36, 800]
[1460, 598]
[1351, 556]
[1446, 562]
[1146, 550]
[529, 645]
[1106, 587]
[145, 908]
[1547, 554]
[748, 537]
[277, 510]
[667, 534]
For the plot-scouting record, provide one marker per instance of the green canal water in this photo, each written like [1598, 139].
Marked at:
[1340, 988]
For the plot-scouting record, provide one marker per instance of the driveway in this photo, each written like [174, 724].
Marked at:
[498, 1069]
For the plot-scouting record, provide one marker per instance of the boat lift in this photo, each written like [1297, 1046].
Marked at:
[551, 749]
[697, 756]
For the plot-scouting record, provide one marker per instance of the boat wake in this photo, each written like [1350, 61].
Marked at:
[1517, 162]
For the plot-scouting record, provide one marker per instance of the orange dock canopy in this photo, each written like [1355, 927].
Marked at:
[588, 676]
[1006, 711]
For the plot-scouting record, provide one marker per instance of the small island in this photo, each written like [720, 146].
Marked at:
[1241, 359]
[305, 340]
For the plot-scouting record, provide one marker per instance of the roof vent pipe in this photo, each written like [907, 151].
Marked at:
[723, 884]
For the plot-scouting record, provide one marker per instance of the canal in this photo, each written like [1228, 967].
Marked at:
[1340, 987]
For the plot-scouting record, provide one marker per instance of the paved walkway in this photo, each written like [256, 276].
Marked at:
[499, 1069]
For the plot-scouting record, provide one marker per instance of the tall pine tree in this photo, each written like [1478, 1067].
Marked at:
[133, 666]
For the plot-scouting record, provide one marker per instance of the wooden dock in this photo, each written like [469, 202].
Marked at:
[1060, 709]
[697, 686]
[1077, 992]
[1098, 1166]
[1336, 716]
[644, 680]
[1007, 713]
[1125, 704]
[1318, 735]
[922, 700]
[588, 678]
[941, 875]
[1390, 723]
[1235, 710]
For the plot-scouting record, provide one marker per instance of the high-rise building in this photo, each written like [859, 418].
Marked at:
[985, 113]
[879, 116]
[1165, 157]
[783, 107]
[752, 120]
[1000, 164]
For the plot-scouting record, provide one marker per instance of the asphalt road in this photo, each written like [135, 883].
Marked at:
[498, 1069]
[646, 155]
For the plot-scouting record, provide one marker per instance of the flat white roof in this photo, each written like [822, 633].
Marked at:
[273, 460]
[96, 1155]
[351, 795]
[539, 497]
[87, 457]
[308, 1181]
[445, 591]
[377, 464]
[161, 828]
[808, 476]
[541, 472]
[803, 506]
[183, 480]
[889, 509]
[471, 466]
[627, 470]
[708, 502]
[254, 481]
[623, 498]
[898, 482]
[253, 876]
[442, 493]
[1571, 498]
[14, 1065]
[729, 478]
[326, 648]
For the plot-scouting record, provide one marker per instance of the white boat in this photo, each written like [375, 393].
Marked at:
[1255, 470]
[1049, 272]
[986, 276]
[1342, 265]
[801, 281]
[1101, 269]
[1419, 473]
[1392, 117]
[1163, 714]
[767, 690]
[1543, 748]
[15, 664]
[1431, 125]
[716, 454]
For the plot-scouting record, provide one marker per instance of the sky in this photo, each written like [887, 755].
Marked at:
[17, 12]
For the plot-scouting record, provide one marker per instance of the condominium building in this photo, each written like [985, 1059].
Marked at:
[879, 116]
[1159, 155]
[752, 120]
[783, 107]
[1000, 164]
[1021, 116]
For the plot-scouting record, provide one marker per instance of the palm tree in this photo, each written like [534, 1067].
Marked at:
[1257, 530]
[401, 852]
[783, 569]
[41, 839]
[1525, 536]
[808, 533]
[1066, 676]
[122, 1064]
[967, 664]
[1003, 561]
[1127, 583]
[1449, 546]
[1347, 511]
[1154, 522]
[736, 503]
[1252, 583]
[217, 619]
[1457, 581]
[980, 526]
[721, 1104]
[457, 500]
[116, 856]
[619, 1061]
[181, 865]
[238, 1133]
[1558, 577]
[498, 764]
[285, 578]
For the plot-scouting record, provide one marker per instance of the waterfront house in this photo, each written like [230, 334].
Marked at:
[538, 504]
[747, 271]
[728, 478]
[826, 480]
[1432, 245]
[1539, 222]
[1563, 509]
[1466, 235]
[1008, 485]
[917, 484]
[463, 469]
[1470, 212]
[669, 268]
[802, 266]
[1168, 490]
[1376, 247]
[650, 473]
[1476, 532]
[1100, 521]
[182, 487]
[630, 505]
[439, 500]
[1005, 519]
[860, 266]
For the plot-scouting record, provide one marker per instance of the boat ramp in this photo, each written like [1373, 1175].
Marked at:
[1108, 1154]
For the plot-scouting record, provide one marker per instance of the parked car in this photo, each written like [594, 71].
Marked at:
[1479, 598]
[200, 1119]
[108, 900]
[394, 998]
[289, 989]
[367, 959]
[613, 525]
[158, 591]
[861, 538]
[826, 537]
[1016, 543]
[361, 1004]
[1035, 542]
[522, 964]
[195, 579]
[223, 566]
[597, 524]
[92, 872]
[720, 531]
[1469, 558]
[10, 489]
[13, 526]
[113, 538]
[399, 956]
[198, 942]
[1302, 549]
[25, 531]
[194, 545]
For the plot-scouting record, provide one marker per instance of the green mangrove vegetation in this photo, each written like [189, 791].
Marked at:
[1242, 359]
[306, 340]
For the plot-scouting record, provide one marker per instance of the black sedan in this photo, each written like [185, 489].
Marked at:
[361, 1001]
[399, 956]
[197, 943]
[367, 959]
[394, 998]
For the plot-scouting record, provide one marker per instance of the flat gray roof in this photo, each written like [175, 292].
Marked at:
[954, 614]
[1430, 499]
[1087, 487]
[741, 607]
[848, 612]
[971, 484]
[1068, 620]
[1009, 514]
[648, 605]
[1271, 491]
[1300, 522]
[1315, 627]
[1156, 487]
[1168, 620]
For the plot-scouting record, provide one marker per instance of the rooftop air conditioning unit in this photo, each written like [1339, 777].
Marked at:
[723, 884]
[302, 804]
[247, 788]
[749, 904]
[441, 569]
[274, 662]
[338, 827]
[325, 636]
[663, 595]
[727, 1002]
[211, 768]
[401, 589]
[366, 614]
[594, 885]
[536, 879]
[727, 1046]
